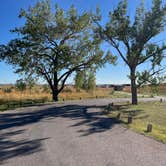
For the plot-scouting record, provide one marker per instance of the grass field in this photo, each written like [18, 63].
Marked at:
[12, 98]
[143, 114]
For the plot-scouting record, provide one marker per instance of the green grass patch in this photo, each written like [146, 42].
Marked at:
[143, 114]
[6, 105]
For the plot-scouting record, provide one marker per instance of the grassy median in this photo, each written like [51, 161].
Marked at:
[143, 114]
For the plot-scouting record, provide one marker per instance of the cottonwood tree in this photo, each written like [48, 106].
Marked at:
[132, 38]
[52, 45]
[21, 85]
[30, 82]
[86, 80]
[79, 80]
[91, 81]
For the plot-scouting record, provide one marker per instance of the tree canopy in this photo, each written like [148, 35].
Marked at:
[132, 39]
[53, 43]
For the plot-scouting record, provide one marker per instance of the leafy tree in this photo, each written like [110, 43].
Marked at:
[79, 80]
[91, 82]
[132, 37]
[20, 85]
[53, 45]
[86, 80]
[30, 82]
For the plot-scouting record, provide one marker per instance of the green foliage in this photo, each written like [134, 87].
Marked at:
[79, 80]
[86, 80]
[7, 90]
[53, 45]
[150, 77]
[91, 82]
[30, 82]
[20, 85]
[135, 35]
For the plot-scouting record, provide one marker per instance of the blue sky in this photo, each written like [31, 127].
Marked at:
[9, 10]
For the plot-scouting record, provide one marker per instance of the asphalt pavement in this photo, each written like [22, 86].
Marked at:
[73, 133]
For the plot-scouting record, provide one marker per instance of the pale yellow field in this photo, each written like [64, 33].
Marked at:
[38, 92]
[15, 95]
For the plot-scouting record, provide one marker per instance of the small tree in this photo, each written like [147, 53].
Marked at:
[132, 38]
[53, 45]
[91, 82]
[30, 83]
[20, 85]
[86, 80]
[79, 80]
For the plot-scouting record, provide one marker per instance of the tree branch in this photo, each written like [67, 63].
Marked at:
[155, 72]
[111, 41]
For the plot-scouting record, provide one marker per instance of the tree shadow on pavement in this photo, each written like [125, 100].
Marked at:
[88, 115]
[10, 148]
[91, 116]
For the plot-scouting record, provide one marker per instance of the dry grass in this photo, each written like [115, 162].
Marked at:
[10, 97]
[9, 93]
[71, 94]
[15, 95]
[158, 91]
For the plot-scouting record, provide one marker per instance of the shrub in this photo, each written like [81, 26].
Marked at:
[7, 90]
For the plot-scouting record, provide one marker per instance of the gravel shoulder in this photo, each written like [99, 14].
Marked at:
[62, 134]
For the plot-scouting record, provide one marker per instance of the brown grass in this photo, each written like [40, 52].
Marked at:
[17, 95]
[69, 93]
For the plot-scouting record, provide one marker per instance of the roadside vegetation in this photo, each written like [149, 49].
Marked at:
[12, 97]
[25, 94]
[142, 114]
[153, 90]
[55, 43]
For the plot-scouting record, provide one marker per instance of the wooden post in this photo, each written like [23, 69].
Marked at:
[149, 128]
[118, 116]
[80, 98]
[130, 119]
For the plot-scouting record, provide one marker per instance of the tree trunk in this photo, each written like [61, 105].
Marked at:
[55, 87]
[133, 87]
[54, 95]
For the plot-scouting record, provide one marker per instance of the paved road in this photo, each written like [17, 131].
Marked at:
[63, 135]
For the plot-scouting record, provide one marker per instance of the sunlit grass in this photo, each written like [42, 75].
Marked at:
[39, 95]
[98, 93]
[143, 114]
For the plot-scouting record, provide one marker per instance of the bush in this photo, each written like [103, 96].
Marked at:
[112, 92]
[7, 90]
